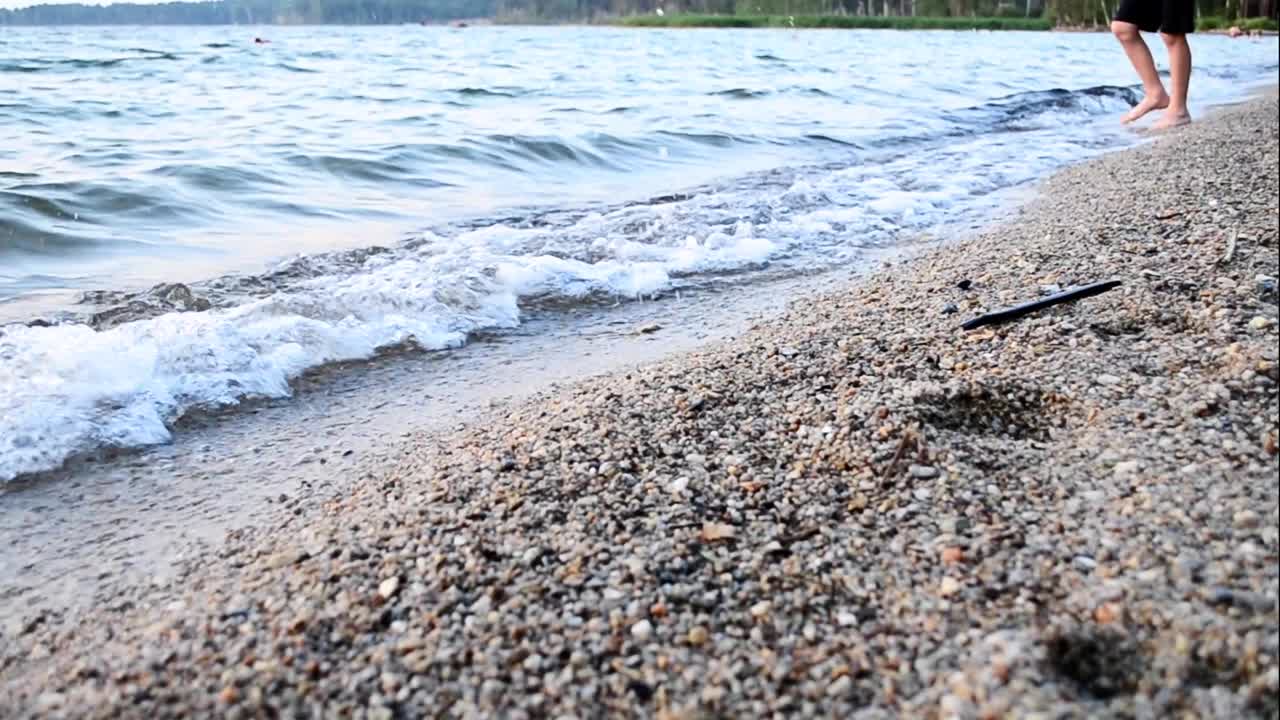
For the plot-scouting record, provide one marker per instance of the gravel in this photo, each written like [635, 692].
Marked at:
[855, 510]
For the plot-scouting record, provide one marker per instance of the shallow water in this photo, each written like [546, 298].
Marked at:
[344, 190]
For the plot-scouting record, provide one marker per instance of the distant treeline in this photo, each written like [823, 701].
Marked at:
[745, 12]
[1088, 13]
[252, 12]
[848, 22]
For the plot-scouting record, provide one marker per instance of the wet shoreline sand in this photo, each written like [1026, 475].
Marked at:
[854, 509]
[70, 538]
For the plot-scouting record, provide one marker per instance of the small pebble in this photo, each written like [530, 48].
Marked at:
[1246, 519]
[642, 630]
[923, 472]
[1084, 563]
[389, 587]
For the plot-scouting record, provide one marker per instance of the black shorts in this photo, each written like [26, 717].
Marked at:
[1175, 17]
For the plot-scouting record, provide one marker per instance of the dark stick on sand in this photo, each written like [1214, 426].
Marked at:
[1013, 313]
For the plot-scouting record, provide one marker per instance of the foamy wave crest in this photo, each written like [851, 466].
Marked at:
[69, 389]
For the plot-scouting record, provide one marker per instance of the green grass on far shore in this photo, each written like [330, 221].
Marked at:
[1246, 24]
[835, 21]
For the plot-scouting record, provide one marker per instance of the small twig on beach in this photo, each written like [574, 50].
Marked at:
[799, 536]
[909, 440]
[685, 525]
[1018, 311]
[1232, 239]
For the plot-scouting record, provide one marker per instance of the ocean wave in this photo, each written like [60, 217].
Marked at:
[69, 389]
[95, 202]
[24, 237]
[36, 65]
[1056, 105]
[486, 92]
[819, 137]
[366, 169]
[740, 93]
[219, 178]
[296, 68]
[704, 138]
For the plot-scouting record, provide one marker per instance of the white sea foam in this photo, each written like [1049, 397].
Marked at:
[68, 389]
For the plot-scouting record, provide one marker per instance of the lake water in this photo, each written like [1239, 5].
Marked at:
[339, 191]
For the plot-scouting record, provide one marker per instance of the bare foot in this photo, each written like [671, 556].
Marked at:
[1156, 101]
[1172, 120]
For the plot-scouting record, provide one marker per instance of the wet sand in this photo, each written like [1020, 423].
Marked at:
[69, 539]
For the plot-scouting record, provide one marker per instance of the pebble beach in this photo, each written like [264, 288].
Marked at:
[855, 509]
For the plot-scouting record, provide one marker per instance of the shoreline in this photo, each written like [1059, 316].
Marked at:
[963, 25]
[251, 465]
[851, 507]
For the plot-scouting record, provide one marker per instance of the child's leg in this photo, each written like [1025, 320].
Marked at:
[1139, 54]
[1180, 73]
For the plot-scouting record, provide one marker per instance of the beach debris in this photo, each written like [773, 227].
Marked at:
[1232, 240]
[712, 532]
[1168, 214]
[648, 328]
[1010, 314]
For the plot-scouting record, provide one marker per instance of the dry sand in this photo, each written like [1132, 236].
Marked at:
[855, 510]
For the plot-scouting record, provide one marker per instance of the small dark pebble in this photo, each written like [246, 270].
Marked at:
[965, 284]
[950, 309]
[642, 690]
[1242, 599]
